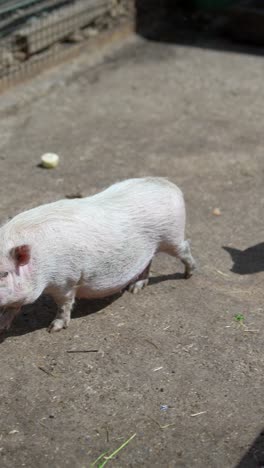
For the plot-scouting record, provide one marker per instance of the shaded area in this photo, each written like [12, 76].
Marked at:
[40, 314]
[237, 26]
[248, 261]
[162, 278]
[254, 458]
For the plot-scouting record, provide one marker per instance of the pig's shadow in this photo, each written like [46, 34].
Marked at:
[248, 261]
[40, 314]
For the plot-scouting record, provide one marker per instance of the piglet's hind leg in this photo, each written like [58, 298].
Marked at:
[141, 281]
[187, 259]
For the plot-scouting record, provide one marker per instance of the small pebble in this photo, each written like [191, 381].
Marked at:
[216, 212]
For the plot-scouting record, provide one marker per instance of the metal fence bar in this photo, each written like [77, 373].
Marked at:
[12, 6]
[29, 71]
[45, 32]
[13, 21]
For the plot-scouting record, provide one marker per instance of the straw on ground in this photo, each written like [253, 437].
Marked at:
[112, 455]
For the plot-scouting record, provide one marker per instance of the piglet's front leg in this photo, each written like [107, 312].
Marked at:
[63, 316]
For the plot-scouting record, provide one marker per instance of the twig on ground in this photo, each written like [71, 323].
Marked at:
[46, 371]
[222, 273]
[198, 414]
[72, 351]
[150, 342]
[160, 426]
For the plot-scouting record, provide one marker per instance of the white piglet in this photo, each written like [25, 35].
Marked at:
[91, 247]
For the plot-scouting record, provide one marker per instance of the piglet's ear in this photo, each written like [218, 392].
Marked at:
[21, 254]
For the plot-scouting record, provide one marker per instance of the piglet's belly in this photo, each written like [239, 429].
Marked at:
[89, 291]
[86, 292]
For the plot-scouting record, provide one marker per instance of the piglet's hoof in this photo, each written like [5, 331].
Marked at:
[189, 271]
[57, 325]
[136, 287]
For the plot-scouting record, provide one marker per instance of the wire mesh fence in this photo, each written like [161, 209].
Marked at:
[35, 33]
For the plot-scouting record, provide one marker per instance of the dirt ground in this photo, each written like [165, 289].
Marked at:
[172, 365]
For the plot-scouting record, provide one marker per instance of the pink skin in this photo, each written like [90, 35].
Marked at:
[11, 280]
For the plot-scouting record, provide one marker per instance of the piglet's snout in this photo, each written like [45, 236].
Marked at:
[6, 296]
[11, 291]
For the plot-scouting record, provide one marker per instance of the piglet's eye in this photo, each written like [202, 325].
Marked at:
[3, 275]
